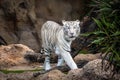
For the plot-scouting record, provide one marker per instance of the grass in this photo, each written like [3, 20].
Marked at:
[18, 71]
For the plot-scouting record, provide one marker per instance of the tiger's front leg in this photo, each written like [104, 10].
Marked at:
[47, 62]
[69, 60]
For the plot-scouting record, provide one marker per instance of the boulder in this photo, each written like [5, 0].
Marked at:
[98, 69]
[12, 55]
[93, 70]
[53, 75]
[74, 74]
[2, 76]
[20, 76]
[85, 57]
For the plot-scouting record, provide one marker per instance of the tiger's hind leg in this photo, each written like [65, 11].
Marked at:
[47, 61]
[60, 60]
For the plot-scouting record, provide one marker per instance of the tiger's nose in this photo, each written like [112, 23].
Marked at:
[71, 33]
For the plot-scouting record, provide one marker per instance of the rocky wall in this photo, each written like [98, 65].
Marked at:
[21, 20]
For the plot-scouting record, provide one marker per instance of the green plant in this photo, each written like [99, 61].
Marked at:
[20, 71]
[107, 36]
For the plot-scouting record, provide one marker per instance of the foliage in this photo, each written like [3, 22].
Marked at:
[107, 36]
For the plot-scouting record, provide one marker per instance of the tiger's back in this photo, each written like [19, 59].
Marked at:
[49, 32]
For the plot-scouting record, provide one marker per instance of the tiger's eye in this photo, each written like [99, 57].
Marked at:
[68, 27]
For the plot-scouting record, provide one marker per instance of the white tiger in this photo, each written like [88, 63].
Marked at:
[58, 39]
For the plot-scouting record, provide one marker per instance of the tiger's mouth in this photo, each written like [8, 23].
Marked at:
[72, 37]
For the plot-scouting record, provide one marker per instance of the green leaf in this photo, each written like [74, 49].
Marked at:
[98, 41]
[98, 23]
[86, 34]
[105, 9]
[116, 33]
[98, 32]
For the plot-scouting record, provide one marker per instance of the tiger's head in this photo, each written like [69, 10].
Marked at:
[71, 29]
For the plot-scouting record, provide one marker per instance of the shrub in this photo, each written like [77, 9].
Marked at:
[107, 36]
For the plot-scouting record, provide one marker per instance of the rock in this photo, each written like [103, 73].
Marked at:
[53, 75]
[117, 76]
[20, 76]
[6, 30]
[27, 38]
[103, 55]
[2, 41]
[2, 76]
[74, 74]
[84, 57]
[48, 10]
[17, 19]
[12, 55]
[95, 68]
[98, 55]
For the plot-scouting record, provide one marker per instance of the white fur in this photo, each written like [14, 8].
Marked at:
[54, 38]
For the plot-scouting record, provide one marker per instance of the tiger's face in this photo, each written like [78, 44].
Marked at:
[71, 29]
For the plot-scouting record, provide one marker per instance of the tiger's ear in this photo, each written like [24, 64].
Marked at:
[78, 22]
[63, 22]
